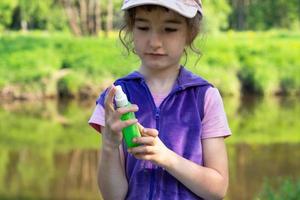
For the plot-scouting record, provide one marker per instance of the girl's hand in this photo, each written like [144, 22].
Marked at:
[112, 134]
[152, 148]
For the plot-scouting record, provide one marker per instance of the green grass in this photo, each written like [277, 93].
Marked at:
[250, 62]
[287, 189]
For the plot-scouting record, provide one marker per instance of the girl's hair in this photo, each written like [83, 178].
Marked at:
[125, 33]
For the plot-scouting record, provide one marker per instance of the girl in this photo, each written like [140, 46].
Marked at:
[182, 154]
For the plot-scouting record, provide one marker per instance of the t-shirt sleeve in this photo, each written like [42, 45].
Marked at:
[97, 119]
[214, 123]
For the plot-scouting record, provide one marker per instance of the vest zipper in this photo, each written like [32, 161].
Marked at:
[157, 116]
[152, 177]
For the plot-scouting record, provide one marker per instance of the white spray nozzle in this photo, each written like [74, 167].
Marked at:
[120, 97]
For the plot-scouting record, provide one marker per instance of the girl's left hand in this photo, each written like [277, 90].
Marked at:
[151, 147]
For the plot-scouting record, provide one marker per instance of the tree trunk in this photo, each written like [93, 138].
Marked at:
[23, 18]
[24, 25]
[238, 17]
[241, 15]
[90, 17]
[83, 16]
[93, 17]
[97, 17]
[298, 11]
[72, 17]
[109, 22]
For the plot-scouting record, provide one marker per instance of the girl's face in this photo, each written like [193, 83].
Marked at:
[159, 37]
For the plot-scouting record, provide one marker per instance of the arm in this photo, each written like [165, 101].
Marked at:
[111, 175]
[209, 182]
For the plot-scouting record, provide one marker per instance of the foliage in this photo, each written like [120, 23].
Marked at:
[258, 63]
[6, 10]
[215, 15]
[57, 15]
[289, 189]
[264, 15]
[276, 14]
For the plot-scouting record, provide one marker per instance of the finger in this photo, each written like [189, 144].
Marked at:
[109, 99]
[119, 125]
[141, 150]
[123, 110]
[150, 132]
[141, 127]
[145, 140]
[107, 131]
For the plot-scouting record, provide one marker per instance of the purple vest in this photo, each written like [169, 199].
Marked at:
[178, 120]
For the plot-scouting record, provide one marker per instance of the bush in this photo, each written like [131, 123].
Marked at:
[287, 190]
[253, 62]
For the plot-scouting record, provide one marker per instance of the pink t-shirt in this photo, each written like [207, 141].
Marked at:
[214, 122]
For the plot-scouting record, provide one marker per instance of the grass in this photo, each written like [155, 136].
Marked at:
[263, 63]
[287, 189]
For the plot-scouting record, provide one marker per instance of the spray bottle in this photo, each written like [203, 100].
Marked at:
[130, 131]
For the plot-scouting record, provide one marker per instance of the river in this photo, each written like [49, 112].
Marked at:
[47, 150]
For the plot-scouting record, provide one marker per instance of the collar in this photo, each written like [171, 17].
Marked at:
[184, 80]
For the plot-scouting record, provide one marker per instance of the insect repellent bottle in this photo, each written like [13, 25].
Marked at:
[130, 131]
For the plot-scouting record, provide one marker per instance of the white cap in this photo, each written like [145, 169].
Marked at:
[120, 97]
[186, 8]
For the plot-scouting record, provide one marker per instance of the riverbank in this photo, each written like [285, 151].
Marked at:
[252, 120]
[43, 65]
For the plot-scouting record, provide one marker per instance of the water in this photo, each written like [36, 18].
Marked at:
[47, 150]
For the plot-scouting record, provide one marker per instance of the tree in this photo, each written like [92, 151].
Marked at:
[215, 14]
[263, 15]
[6, 12]
[34, 13]
[110, 14]
[83, 16]
[238, 17]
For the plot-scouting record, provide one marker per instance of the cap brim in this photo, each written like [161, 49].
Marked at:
[180, 8]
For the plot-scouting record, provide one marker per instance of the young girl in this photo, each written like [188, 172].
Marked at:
[181, 118]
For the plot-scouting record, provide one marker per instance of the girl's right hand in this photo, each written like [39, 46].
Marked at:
[112, 134]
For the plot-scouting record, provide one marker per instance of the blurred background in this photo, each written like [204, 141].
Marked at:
[56, 56]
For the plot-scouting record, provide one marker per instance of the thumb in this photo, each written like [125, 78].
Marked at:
[150, 132]
[147, 131]
[140, 127]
